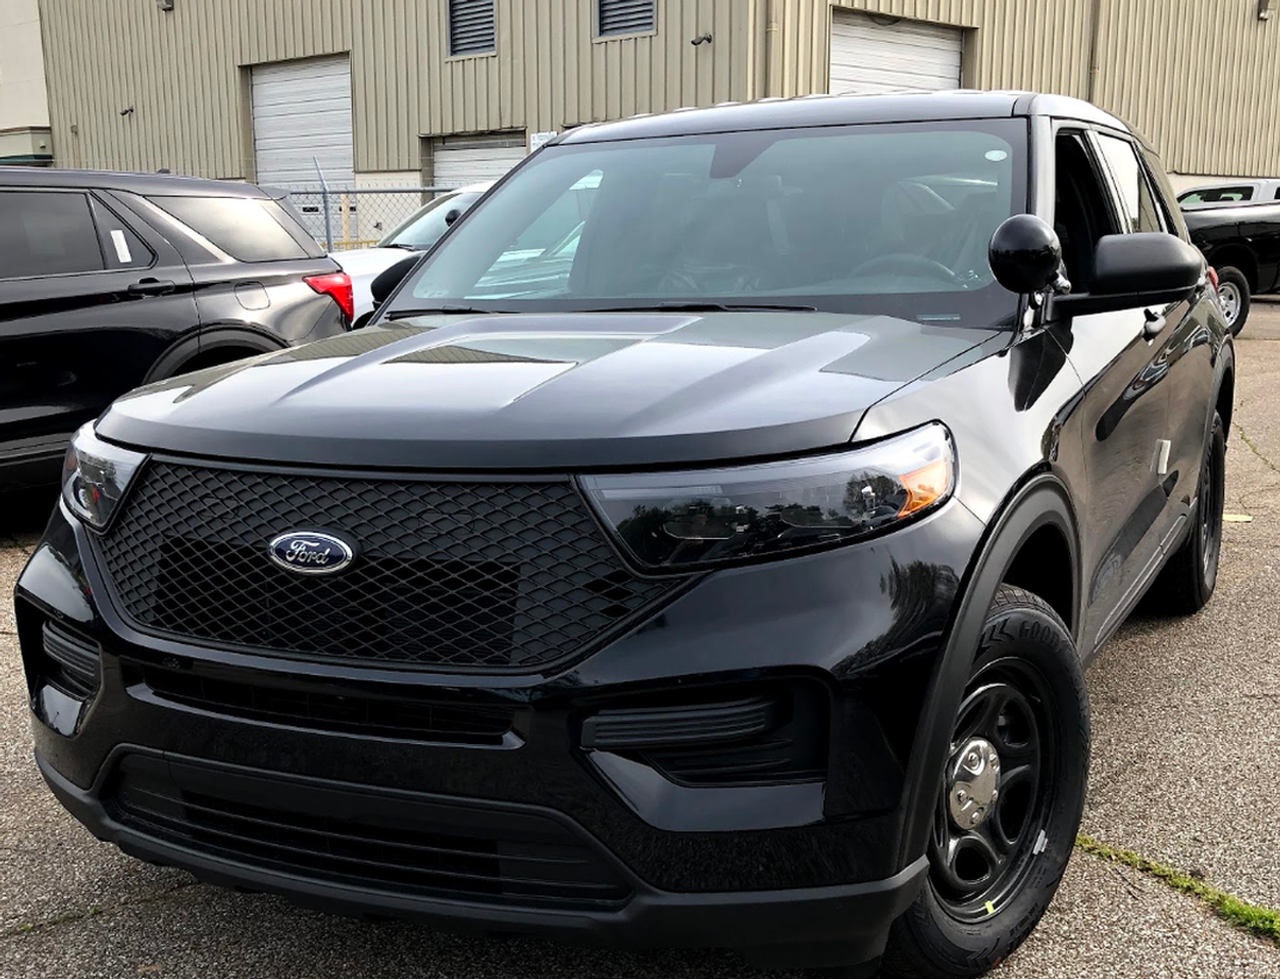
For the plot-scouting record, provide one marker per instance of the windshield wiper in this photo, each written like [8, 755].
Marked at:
[401, 244]
[402, 314]
[677, 306]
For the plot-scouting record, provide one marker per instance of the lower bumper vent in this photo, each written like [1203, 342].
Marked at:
[364, 837]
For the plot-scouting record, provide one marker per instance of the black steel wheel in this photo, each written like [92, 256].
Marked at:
[997, 791]
[1010, 798]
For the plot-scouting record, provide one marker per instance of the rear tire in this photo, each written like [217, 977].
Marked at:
[1188, 581]
[1024, 723]
[1236, 297]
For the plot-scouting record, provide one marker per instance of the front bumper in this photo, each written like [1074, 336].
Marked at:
[815, 862]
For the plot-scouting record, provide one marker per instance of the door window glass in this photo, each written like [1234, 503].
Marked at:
[1082, 216]
[46, 233]
[1139, 206]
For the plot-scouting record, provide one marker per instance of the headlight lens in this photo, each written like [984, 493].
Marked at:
[675, 520]
[96, 475]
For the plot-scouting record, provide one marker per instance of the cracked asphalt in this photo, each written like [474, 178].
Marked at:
[1186, 770]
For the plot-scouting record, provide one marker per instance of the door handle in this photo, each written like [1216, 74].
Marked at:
[1154, 326]
[152, 287]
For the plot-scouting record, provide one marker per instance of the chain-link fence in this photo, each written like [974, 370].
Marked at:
[342, 219]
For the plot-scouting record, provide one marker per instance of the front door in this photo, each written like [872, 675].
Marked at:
[1123, 363]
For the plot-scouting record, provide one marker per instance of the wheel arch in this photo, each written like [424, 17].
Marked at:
[1039, 511]
[227, 338]
[1240, 256]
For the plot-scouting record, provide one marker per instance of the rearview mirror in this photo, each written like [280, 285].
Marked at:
[385, 284]
[1132, 271]
[1025, 254]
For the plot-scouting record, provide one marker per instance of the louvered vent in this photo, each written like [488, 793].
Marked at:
[471, 26]
[626, 16]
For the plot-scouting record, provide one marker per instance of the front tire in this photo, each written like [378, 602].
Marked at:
[1189, 579]
[1010, 801]
[1236, 298]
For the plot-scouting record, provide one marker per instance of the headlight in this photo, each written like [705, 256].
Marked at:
[675, 520]
[96, 475]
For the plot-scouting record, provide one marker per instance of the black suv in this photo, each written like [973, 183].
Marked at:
[1243, 241]
[109, 280]
[729, 584]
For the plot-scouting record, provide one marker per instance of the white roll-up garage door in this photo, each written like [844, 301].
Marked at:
[463, 160]
[301, 114]
[869, 57]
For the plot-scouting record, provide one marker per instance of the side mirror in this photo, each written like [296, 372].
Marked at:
[452, 216]
[1025, 254]
[385, 284]
[1132, 271]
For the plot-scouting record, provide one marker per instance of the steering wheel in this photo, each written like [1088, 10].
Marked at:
[906, 262]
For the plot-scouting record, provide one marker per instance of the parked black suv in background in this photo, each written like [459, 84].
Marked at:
[109, 280]
[1243, 242]
[728, 584]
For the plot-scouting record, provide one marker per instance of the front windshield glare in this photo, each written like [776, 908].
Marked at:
[880, 219]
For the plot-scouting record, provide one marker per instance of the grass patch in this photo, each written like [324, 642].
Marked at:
[1260, 921]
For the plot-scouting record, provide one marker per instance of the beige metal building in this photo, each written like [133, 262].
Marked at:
[389, 92]
[24, 101]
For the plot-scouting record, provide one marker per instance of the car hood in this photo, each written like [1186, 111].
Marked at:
[542, 392]
[368, 262]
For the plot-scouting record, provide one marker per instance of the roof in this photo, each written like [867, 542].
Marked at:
[839, 110]
[153, 184]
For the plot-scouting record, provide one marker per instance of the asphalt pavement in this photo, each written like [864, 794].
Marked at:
[1186, 770]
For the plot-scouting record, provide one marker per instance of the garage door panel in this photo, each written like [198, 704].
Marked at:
[475, 163]
[872, 58]
[301, 112]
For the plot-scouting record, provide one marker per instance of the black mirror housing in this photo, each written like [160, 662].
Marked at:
[1025, 254]
[385, 284]
[1131, 271]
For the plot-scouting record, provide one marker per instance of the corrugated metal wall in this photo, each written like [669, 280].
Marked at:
[183, 73]
[1198, 77]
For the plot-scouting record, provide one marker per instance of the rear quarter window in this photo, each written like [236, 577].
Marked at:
[249, 229]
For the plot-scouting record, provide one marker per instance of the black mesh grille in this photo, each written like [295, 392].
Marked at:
[448, 575]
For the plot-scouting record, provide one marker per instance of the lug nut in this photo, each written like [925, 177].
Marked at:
[962, 796]
[976, 817]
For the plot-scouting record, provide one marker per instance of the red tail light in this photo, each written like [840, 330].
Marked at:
[1213, 278]
[338, 287]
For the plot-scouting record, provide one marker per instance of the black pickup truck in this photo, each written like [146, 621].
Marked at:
[1242, 241]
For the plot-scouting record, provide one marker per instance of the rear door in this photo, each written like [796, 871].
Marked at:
[1125, 399]
[88, 302]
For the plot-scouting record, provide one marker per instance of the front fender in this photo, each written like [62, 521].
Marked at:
[1040, 502]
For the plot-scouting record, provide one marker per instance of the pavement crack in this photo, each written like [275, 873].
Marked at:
[71, 917]
[1253, 447]
[1240, 914]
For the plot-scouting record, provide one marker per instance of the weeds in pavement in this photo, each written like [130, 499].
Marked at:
[1260, 921]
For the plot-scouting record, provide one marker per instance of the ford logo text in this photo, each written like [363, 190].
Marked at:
[311, 552]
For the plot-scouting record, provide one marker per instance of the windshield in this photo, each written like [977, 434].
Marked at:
[892, 219]
[427, 225]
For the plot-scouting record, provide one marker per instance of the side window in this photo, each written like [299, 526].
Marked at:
[1082, 215]
[246, 228]
[1165, 195]
[1136, 196]
[120, 244]
[47, 233]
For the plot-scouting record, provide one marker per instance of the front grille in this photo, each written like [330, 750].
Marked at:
[355, 836]
[340, 709]
[448, 575]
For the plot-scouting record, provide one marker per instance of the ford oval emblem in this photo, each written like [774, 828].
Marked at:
[311, 552]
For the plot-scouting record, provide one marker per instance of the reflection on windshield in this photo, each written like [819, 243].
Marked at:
[428, 225]
[891, 219]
